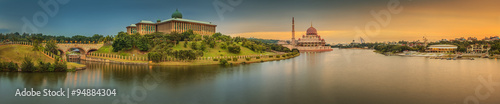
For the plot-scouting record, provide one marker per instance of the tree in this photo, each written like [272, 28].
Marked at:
[122, 42]
[234, 49]
[187, 35]
[194, 45]
[203, 47]
[185, 44]
[143, 44]
[51, 46]
[36, 40]
[96, 37]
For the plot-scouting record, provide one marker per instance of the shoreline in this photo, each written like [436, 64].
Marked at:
[264, 58]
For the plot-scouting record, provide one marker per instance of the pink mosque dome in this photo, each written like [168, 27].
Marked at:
[312, 31]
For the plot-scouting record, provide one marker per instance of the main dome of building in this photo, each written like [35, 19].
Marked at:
[312, 31]
[177, 14]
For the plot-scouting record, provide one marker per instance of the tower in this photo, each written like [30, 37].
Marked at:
[293, 30]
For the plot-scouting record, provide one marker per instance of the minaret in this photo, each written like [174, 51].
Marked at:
[293, 30]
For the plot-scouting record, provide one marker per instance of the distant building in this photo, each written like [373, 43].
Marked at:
[476, 48]
[176, 23]
[441, 48]
[491, 38]
[443, 40]
[461, 39]
[472, 39]
[309, 42]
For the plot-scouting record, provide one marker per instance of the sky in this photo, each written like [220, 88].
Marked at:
[337, 21]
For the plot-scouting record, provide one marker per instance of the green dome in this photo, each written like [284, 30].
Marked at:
[176, 14]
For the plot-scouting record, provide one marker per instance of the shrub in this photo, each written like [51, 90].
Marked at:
[216, 59]
[234, 49]
[248, 58]
[283, 56]
[258, 57]
[2, 66]
[277, 56]
[60, 66]
[51, 68]
[223, 62]
[235, 59]
[28, 65]
[12, 66]
[261, 60]
[154, 56]
[44, 67]
[270, 56]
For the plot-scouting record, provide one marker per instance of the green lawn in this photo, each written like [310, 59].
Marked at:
[210, 52]
[217, 51]
[16, 54]
[108, 49]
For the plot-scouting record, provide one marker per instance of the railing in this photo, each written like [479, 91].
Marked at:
[47, 53]
[132, 58]
[20, 42]
[50, 54]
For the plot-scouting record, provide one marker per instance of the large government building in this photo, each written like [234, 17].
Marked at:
[176, 23]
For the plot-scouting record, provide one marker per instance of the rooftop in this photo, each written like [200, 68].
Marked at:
[146, 21]
[186, 20]
[442, 46]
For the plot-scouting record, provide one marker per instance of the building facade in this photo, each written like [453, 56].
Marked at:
[441, 48]
[176, 23]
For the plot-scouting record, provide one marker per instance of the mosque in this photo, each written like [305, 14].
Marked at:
[311, 41]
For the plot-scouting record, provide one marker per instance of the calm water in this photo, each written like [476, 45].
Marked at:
[337, 77]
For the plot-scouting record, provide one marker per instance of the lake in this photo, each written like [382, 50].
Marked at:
[342, 76]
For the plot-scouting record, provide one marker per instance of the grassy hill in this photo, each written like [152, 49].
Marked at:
[210, 52]
[217, 51]
[16, 54]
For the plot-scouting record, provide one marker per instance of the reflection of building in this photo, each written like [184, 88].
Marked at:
[309, 42]
[176, 23]
[442, 48]
[478, 48]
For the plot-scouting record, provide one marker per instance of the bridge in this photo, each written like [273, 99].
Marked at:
[65, 47]
[83, 48]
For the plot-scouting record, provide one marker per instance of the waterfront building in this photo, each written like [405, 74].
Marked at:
[176, 23]
[441, 48]
[311, 41]
[476, 48]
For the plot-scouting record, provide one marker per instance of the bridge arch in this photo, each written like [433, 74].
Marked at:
[91, 50]
[82, 50]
